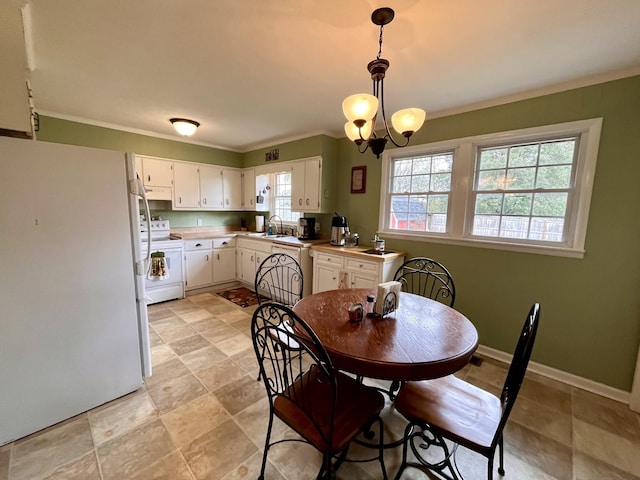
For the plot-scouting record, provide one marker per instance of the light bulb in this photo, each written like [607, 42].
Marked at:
[408, 120]
[360, 106]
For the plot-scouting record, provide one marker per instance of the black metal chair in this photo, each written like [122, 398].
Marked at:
[325, 407]
[427, 278]
[279, 278]
[450, 408]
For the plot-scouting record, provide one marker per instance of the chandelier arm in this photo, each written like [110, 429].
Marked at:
[388, 133]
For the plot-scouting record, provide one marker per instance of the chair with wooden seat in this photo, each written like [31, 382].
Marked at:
[427, 278]
[325, 407]
[279, 278]
[452, 409]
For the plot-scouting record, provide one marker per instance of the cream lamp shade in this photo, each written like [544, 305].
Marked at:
[184, 126]
[360, 106]
[354, 134]
[408, 120]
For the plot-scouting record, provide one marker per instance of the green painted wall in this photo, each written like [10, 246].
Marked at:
[590, 324]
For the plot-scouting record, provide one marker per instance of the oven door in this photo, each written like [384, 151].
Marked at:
[171, 285]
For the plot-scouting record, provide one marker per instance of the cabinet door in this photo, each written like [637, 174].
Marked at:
[211, 197]
[247, 265]
[224, 265]
[198, 269]
[249, 189]
[362, 280]
[232, 188]
[312, 179]
[186, 192]
[325, 278]
[157, 172]
[297, 186]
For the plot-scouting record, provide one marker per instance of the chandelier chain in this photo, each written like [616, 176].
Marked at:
[380, 43]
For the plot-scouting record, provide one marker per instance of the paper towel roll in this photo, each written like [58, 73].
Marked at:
[259, 223]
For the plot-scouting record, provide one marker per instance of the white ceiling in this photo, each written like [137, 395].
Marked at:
[261, 72]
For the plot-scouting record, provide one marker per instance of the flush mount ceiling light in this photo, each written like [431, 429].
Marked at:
[184, 126]
[361, 109]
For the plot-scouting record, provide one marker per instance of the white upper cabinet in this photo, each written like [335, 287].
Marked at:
[249, 189]
[157, 176]
[186, 186]
[211, 197]
[15, 97]
[232, 188]
[306, 185]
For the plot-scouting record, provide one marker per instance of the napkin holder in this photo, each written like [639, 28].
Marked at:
[388, 298]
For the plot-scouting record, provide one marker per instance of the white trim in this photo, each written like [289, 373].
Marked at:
[634, 402]
[460, 215]
[561, 376]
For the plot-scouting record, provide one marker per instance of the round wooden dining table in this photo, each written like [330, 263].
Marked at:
[422, 339]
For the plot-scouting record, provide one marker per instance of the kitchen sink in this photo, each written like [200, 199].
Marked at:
[373, 251]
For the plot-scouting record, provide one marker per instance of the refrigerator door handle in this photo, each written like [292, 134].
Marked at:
[137, 188]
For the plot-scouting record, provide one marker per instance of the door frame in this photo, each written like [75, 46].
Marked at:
[634, 400]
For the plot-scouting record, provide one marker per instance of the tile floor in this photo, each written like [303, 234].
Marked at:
[203, 416]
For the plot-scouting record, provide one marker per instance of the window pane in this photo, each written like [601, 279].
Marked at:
[421, 165]
[550, 204]
[557, 152]
[493, 158]
[523, 156]
[554, 177]
[401, 184]
[420, 183]
[437, 204]
[514, 227]
[491, 180]
[517, 204]
[486, 225]
[402, 167]
[489, 204]
[441, 182]
[547, 229]
[520, 179]
[442, 163]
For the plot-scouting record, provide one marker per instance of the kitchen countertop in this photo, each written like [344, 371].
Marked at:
[358, 252]
[217, 232]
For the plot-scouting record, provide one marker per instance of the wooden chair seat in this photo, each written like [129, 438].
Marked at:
[356, 405]
[461, 411]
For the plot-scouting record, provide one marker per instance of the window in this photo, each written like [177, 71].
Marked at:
[526, 190]
[282, 198]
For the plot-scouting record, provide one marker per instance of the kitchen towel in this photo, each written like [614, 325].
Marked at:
[259, 223]
[158, 270]
[385, 291]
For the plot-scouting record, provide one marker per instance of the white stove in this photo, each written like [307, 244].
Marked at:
[170, 286]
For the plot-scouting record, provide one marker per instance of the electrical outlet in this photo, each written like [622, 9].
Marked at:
[317, 227]
[199, 222]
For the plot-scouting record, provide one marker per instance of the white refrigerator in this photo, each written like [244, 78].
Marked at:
[73, 320]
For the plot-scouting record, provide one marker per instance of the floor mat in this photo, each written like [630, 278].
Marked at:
[243, 297]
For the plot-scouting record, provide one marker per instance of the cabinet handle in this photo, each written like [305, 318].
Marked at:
[148, 178]
[198, 244]
[218, 256]
[299, 201]
[204, 200]
[179, 199]
[227, 201]
[207, 257]
[307, 202]
[225, 243]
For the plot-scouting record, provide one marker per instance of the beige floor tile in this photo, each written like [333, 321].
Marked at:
[220, 334]
[240, 394]
[543, 419]
[162, 325]
[155, 339]
[234, 315]
[588, 468]
[162, 353]
[247, 361]
[254, 421]
[206, 325]
[168, 370]
[121, 416]
[183, 306]
[189, 344]
[171, 467]
[544, 394]
[172, 335]
[220, 375]
[43, 452]
[170, 394]
[132, 452]
[85, 468]
[191, 420]
[219, 452]
[203, 358]
[250, 469]
[607, 414]
[157, 312]
[195, 315]
[606, 447]
[221, 308]
[489, 373]
[235, 345]
[5, 455]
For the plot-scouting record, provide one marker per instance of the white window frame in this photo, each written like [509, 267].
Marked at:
[461, 208]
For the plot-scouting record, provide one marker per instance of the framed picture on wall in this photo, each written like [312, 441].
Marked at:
[358, 179]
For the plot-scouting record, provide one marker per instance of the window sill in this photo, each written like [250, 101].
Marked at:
[557, 251]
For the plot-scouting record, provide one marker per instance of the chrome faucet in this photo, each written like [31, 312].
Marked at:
[271, 218]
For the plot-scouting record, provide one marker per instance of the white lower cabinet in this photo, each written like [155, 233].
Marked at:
[209, 262]
[332, 271]
[251, 254]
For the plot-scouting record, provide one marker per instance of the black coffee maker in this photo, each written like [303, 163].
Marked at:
[306, 228]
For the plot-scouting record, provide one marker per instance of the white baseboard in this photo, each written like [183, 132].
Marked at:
[561, 376]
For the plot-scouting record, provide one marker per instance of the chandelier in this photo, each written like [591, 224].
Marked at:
[361, 109]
